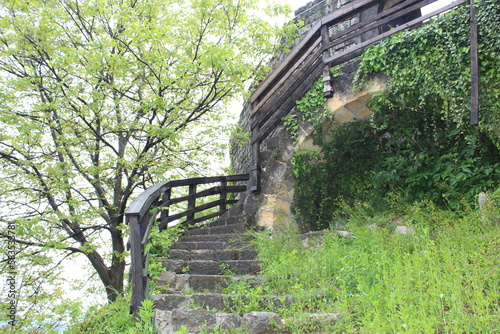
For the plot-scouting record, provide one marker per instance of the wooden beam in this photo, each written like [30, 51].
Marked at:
[376, 21]
[284, 107]
[344, 55]
[348, 11]
[289, 75]
[287, 91]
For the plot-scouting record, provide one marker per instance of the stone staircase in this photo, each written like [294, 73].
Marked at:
[201, 264]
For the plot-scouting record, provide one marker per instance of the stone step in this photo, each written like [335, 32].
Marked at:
[191, 245]
[207, 267]
[222, 229]
[222, 221]
[255, 322]
[228, 221]
[234, 267]
[213, 255]
[218, 302]
[170, 282]
[211, 237]
[210, 245]
[193, 321]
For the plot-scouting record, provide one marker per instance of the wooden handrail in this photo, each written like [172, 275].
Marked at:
[275, 97]
[156, 201]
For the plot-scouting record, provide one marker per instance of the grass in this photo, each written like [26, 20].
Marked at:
[445, 278]
[115, 318]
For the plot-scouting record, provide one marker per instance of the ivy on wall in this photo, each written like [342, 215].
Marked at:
[418, 143]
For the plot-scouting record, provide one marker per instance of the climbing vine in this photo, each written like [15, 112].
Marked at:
[418, 143]
[310, 109]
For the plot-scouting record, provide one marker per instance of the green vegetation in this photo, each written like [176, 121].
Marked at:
[115, 318]
[441, 279]
[417, 162]
[418, 144]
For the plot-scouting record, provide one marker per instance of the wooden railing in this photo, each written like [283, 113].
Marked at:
[154, 206]
[318, 51]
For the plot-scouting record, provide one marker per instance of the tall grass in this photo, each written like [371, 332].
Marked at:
[444, 278]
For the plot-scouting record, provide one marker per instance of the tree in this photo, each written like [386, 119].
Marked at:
[99, 99]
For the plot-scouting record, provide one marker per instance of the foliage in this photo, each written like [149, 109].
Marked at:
[100, 99]
[420, 61]
[310, 108]
[115, 318]
[444, 278]
[419, 143]
[246, 298]
[338, 172]
[491, 208]
[312, 104]
[110, 318]
[157, 247]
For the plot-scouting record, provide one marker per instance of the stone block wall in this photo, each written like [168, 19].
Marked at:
[272, 207]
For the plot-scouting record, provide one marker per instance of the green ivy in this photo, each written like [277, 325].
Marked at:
[310, 108]
[418, 143]
[340, 172]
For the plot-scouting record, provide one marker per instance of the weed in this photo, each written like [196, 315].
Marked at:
[443, 278]
[226, 269]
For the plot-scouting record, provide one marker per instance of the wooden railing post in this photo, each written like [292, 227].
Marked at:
[191, 201]
[327, 77]
[136, 266]
[255, 168]
[223, 196]
[254, 181]
[474, 66]
[166, 197]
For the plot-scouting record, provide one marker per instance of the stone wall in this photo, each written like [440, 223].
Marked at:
[305, 16]
[272, 207]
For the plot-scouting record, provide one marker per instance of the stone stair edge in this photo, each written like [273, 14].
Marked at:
[217, 301]
[238, 267]
[170, 282]
[256, 322]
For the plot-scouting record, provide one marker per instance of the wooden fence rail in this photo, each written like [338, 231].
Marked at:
[154, 206]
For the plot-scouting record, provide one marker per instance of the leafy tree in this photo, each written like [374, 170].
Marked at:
[101, 98]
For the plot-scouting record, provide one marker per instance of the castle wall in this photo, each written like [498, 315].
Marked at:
[272, 206]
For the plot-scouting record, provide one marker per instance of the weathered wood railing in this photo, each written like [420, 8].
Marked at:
[320, 49]
[153, 206]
